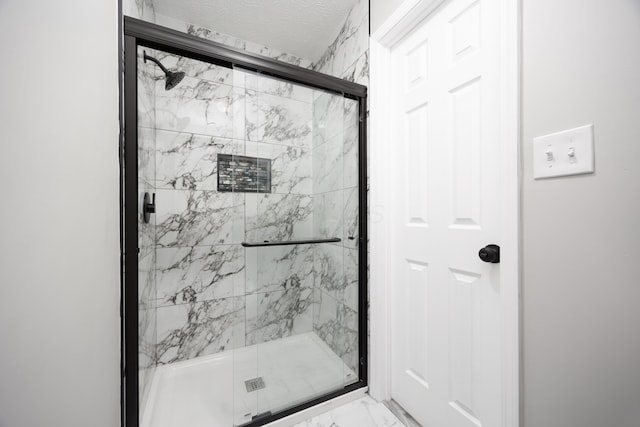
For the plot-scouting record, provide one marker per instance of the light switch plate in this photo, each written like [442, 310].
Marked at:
[569, 152]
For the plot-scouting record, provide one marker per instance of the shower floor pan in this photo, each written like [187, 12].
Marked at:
[225, 389]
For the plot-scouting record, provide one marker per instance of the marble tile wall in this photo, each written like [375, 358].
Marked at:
[348, 56]
[336, 191]
[212, 294]
[139, 9]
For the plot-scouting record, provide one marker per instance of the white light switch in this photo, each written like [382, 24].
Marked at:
[569, 152]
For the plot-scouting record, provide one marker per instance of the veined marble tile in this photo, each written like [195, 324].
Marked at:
[278, 217]
[190, 330]
[353, 39]
[328, 211]
[146, 93]
[337, 325]
[245, 114]
[258, 49]
[194, 218]
[205, 33]
[324, 65]
[139, 9]
[364, 412]
[328, 117]
[274, 268]
[350, 151]
[283, 121]
[147, 337]
[196, 106]
[290, 166]
[329, 269]
[279, 314]
[349, 294]
[146, 352]
[199, 273]
[147, 280]
[189, 161]
[351, 217]
[283, 88]
[359, 71]
[146, 157]
[328, 166]
[349, 44]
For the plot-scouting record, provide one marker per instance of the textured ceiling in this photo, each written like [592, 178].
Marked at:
[300, 27]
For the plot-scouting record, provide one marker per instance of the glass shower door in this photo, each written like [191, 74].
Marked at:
[248, 270]
[302, 297]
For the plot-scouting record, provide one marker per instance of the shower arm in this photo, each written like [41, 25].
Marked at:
[156, 62]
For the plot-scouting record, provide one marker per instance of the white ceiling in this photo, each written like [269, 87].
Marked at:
[300, 27]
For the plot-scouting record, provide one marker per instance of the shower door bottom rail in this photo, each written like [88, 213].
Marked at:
[290, 242]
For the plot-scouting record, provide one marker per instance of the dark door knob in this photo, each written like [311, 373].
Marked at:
[490, 253]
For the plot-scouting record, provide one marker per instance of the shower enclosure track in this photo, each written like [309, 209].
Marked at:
[290, 242]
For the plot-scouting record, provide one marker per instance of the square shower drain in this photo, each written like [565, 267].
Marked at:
[254, 384]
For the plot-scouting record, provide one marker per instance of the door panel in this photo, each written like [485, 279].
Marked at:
[446, 332]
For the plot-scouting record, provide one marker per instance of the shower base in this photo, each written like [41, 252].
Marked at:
[211, 390]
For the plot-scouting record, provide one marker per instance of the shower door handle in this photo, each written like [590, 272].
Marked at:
[148, 208]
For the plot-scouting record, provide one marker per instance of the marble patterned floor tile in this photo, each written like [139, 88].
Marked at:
[364, 412]
[404, 417]
[199, 273]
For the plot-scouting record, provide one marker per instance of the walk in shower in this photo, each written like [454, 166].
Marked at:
[244, 239]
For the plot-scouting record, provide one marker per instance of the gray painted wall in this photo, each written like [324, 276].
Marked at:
[581, 237]
[581, 290]
[59, 250]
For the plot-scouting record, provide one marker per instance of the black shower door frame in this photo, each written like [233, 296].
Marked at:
[141, 33]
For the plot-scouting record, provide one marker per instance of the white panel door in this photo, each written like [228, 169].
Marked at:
[445, 308]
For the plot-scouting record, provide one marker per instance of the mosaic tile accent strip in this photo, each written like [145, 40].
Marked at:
[241, 174]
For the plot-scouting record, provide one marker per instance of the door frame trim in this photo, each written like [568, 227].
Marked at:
[409, 14]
